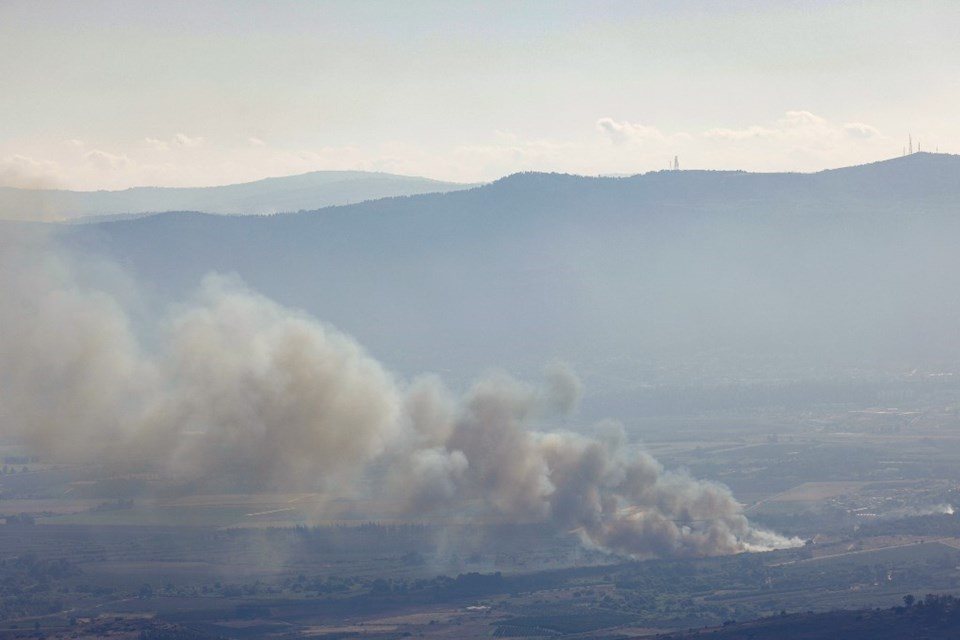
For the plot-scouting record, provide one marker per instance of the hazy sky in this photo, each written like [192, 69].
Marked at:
[115, 94]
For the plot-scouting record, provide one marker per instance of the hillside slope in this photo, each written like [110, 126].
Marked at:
[670, 276]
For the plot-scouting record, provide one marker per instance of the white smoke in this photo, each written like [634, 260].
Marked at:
[942, 509]
[231, 387]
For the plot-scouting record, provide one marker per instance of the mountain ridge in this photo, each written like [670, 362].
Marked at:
[268, 195]
[708, 275]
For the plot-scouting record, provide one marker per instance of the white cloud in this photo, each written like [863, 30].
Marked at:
[793, 124]
[178, 140]
[509, 156]
[801, 119]
[156, 144]
[186, 141]
[794, 140]
[722, 133]
[798, 140]
[861, 130]
[623, 131]
[104, 160]
[28, 173]
[798, 128]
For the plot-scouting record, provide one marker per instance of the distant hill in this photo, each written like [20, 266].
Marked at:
[271, 195]
[672, 277]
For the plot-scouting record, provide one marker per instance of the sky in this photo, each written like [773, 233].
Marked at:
[110, 95]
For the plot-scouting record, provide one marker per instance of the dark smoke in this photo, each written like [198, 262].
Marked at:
[231, 385]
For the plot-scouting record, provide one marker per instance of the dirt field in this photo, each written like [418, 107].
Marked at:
[817, 491]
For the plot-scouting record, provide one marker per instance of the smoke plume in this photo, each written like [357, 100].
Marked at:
[230, 387]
